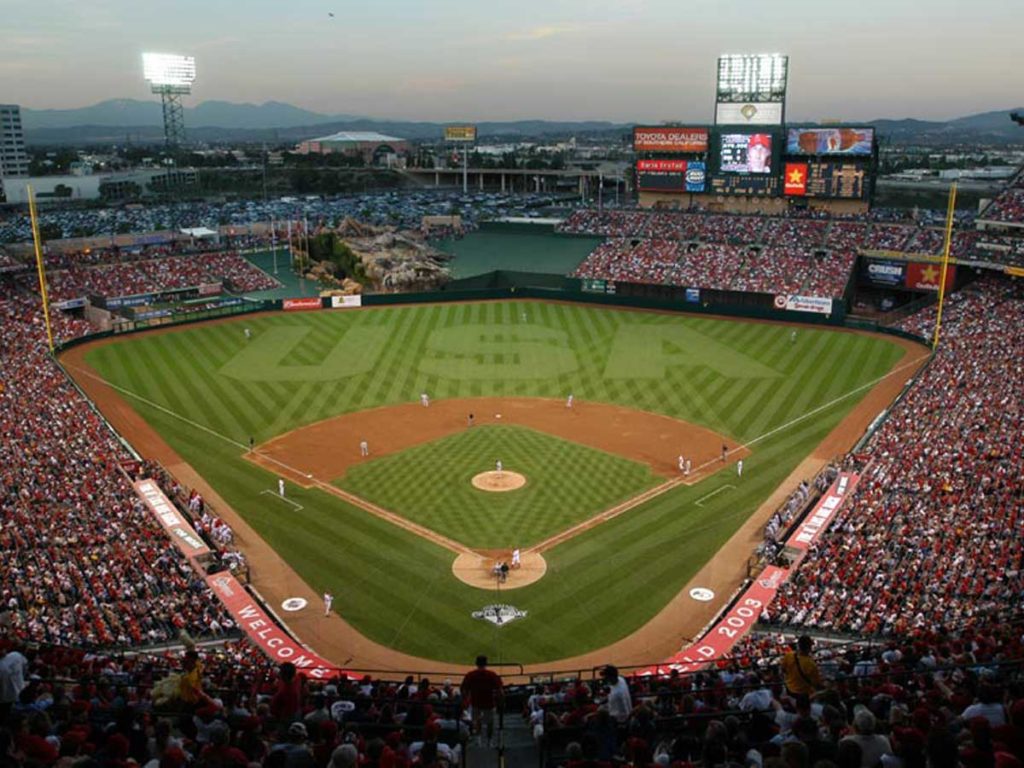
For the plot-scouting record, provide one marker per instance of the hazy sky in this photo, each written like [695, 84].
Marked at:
[623, 60]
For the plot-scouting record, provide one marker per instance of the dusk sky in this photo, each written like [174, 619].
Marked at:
[621, 60]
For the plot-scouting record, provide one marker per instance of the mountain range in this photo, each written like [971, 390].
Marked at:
[131, 120]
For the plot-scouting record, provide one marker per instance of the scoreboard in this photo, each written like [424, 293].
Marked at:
[827, 178]
[744, 184]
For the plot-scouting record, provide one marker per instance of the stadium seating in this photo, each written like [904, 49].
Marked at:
[83, 563]
[926, 540]
[152, 275]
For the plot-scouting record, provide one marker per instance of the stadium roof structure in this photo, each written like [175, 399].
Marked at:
[357, 136]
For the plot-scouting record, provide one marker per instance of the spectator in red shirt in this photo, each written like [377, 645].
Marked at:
[286, 703]
[481, 689]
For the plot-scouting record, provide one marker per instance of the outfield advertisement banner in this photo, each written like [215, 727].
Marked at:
[817, 522]
[346, 302]
[804, 304]
[727, 631]
[292, 305]
[926, 277]
[884, 272]
[170, 519]
[268, 636]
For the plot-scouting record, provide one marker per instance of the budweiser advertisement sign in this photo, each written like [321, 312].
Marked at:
[310, 302]
[670, 139]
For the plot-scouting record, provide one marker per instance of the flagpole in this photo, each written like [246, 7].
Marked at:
[37, 240]
[945, 261]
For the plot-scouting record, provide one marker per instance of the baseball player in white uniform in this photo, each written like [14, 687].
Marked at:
[516, 558]
[425, 400]
[328, 602]
[568, 401]
[739, 468]
[248, 334]
[682, 463]
[280, 487]
[497, 466]
[364, 448]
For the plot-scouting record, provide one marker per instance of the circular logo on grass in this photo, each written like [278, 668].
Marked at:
[702, 593]
[294, 604]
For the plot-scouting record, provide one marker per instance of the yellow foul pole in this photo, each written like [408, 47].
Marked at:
[39, 266]
[945, 261]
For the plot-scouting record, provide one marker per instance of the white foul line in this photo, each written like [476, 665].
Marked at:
[700, 502]
[285, 499]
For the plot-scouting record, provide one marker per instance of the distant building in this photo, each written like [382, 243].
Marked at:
[13, 158]
[374, 148]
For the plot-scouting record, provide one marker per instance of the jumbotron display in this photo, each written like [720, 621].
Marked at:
[830, 141]
[745, 153]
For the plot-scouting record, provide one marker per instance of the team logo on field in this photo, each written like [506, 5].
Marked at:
[499, 615]
[703, 594]
[294, 604]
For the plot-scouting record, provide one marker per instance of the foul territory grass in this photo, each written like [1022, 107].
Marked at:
[431, 484]
[746, 380]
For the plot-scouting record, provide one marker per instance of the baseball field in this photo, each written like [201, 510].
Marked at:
[617, 528]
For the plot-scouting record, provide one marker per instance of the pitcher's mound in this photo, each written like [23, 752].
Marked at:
[499, 482]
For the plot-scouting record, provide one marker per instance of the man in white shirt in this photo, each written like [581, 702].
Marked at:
[13, 671]
[759, 698]
[619, 702]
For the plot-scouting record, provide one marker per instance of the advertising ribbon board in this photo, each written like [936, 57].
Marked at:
[264, 633]
[170, 519]
[733, 625]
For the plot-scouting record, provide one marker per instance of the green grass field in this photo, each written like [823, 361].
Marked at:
[742, 379]
[431, 484]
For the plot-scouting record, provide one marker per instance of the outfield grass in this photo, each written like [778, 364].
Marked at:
[431, 484]
[742, 379]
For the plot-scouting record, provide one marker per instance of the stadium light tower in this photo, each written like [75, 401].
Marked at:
[171, 76]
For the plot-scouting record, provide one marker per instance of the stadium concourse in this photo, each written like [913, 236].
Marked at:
[921, 571]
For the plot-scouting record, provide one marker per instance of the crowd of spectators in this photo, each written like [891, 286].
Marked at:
[931, 534]
[83, 563]
[152, 275]
[1008, 206]
[950, 697]
[876, 230]
[720, 266]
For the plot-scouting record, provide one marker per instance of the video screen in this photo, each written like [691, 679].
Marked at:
[746, 153]
[829, 141]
